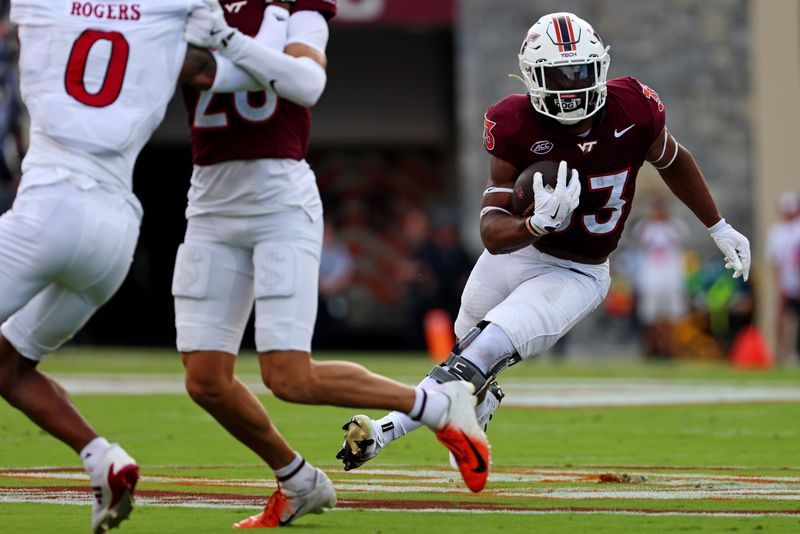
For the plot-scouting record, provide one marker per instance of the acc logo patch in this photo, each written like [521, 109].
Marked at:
[541, 147]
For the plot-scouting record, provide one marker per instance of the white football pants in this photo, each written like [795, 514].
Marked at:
[534, 297]
[226, 263]
[66, 248]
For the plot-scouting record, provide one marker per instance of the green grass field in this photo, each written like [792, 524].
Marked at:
[694, 463]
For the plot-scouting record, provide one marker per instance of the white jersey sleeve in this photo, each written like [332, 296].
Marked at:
[96, 77]
[309, 28]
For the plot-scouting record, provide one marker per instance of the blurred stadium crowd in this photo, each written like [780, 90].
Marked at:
[396, 246]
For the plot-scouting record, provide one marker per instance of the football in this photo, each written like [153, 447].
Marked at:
[522, 199]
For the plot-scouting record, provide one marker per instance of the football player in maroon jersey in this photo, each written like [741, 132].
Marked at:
[254, 236]
[541, 274]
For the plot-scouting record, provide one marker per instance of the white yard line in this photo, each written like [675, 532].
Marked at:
[547, 394]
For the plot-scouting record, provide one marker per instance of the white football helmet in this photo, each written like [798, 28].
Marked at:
[564, 66]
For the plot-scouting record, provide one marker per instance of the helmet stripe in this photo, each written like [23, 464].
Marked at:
[571, 32]
[557, 27]
[564, 35]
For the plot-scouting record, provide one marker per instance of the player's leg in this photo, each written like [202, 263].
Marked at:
[89, 238]
[41, 399]
[286, 259]
[213, 289]
[534, 315]
[48, 236]
[211, 383]
[794, 303]
[486, 288]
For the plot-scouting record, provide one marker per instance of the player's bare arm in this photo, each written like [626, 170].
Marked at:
[501, 231]
[680, 172]
[299, 50]
[199, 68]
[551, 208]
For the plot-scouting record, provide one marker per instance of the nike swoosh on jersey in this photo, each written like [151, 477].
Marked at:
[620, 134]
[481, 467]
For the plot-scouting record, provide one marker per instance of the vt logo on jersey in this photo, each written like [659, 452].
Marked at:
[587, 146]
[235, 7]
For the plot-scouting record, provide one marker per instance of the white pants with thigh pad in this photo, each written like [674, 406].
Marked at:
[226, 263]
[534, 297]
[66, 248]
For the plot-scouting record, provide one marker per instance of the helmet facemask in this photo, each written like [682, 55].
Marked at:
[567, 89]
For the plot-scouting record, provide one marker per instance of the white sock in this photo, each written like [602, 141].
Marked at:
[397, 424]
[489, 348]
[430, 407]
[93, 452]
[298, 476]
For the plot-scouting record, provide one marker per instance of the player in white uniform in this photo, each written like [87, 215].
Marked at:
[254, 236]
[660, 277]
[96, 78]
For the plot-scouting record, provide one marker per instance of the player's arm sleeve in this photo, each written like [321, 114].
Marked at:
[299, 79]
[273, 34]
[308, 28]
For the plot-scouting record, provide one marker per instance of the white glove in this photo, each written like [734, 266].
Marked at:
[734, 246]
[554, 206]
[206, 27]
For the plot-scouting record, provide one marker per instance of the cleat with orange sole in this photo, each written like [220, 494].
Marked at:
[284, 506]
[462, 435]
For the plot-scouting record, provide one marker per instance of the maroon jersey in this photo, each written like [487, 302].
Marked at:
[256, 125]
[607, 160]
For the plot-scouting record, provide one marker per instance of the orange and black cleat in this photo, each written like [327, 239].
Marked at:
[284, 506]
[461, 434]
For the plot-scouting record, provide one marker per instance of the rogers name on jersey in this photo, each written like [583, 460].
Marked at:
[105, 10]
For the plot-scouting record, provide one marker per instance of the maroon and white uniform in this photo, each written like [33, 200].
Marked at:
[607, 159]
[536, 294]
[254, 213]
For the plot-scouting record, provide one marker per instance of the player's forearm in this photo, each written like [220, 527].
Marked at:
[686, 182]
[273, 33]
[502, 233]
[199, 68]
[230, 78]
[299, 79]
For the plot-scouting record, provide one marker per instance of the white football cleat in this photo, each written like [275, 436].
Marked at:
[284, 506]
[113, 483]
[361, 442]
[491, 401]
[459, 432]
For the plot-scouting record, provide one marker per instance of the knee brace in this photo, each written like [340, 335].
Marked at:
[457, 367]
